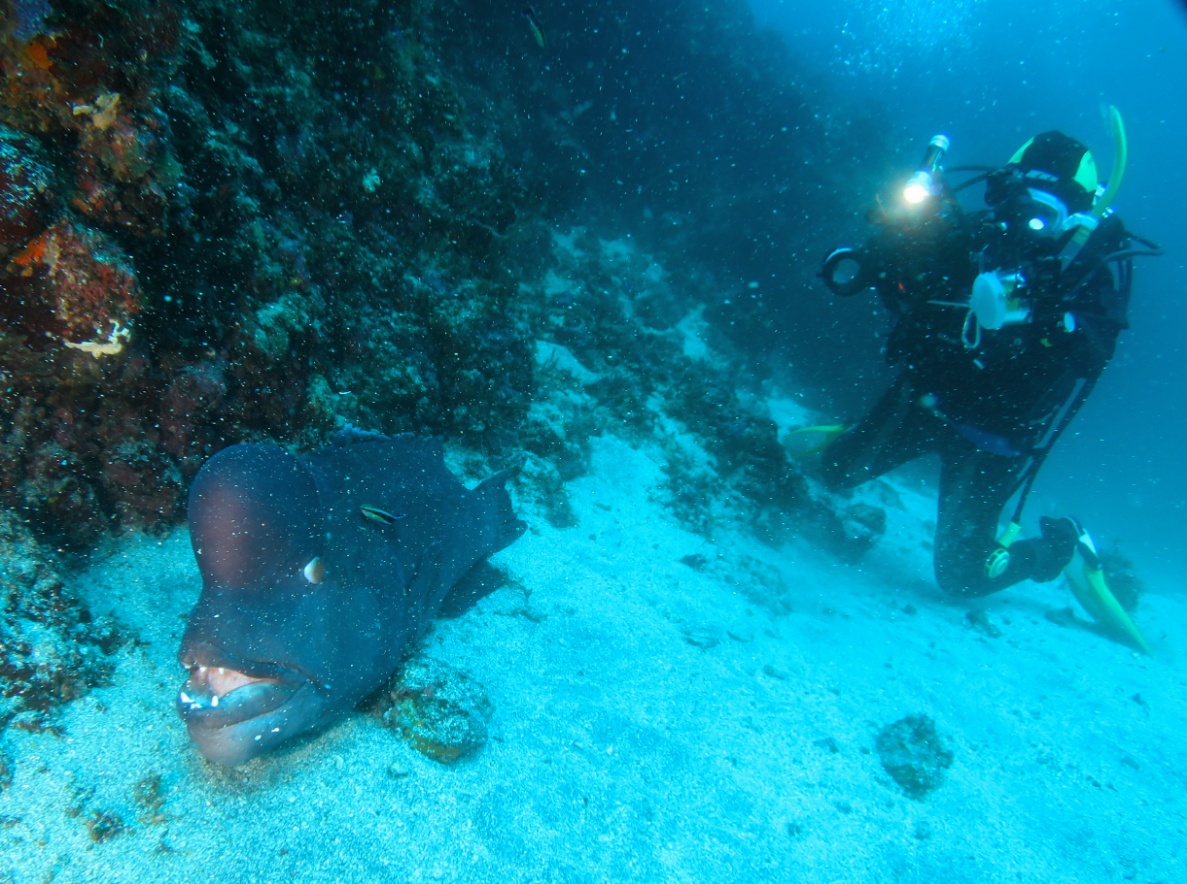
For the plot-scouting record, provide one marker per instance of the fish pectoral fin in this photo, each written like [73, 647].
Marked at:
[426, 588]
[477, 583]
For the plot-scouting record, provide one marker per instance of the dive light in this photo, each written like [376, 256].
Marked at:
[922, 184]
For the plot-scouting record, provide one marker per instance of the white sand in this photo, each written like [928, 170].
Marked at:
[621, 751]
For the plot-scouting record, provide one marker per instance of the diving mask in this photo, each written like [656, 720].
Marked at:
[1040, 213]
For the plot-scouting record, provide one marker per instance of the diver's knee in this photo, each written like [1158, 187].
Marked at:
[963, 576]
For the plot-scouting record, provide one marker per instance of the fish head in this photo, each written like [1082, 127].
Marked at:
[273, 646]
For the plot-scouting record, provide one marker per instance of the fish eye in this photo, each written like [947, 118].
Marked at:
[315, 570]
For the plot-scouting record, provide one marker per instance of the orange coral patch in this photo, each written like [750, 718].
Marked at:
[38, 55]
[33, 252]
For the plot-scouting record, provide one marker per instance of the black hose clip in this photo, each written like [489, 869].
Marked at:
[845, 273]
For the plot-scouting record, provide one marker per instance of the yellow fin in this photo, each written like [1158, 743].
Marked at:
[1092, 592]
[805, 441]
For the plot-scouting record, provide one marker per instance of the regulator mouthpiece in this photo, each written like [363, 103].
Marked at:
[922, 184]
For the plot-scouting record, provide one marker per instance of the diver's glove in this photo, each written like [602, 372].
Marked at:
[1060, 537]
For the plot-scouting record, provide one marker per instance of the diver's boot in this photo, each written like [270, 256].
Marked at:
[1060, 539]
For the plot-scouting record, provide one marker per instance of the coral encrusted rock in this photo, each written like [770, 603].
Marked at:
[914, 755]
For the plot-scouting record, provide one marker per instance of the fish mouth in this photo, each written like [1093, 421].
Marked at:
[236, 709]
[222, 691]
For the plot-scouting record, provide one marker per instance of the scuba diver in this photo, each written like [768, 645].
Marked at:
[1005, 318]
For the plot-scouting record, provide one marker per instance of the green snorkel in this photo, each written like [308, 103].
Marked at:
[1116, 127]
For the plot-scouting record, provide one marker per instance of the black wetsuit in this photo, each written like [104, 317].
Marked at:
[990, 405]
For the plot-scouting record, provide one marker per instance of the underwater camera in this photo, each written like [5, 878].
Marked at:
[846, 271]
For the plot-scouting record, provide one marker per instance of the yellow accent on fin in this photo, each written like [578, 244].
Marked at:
[1089, 587]
[805, 441]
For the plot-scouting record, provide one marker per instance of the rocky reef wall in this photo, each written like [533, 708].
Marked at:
[223, 221]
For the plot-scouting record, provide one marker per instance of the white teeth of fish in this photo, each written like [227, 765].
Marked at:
[189, 701]
[195, 703]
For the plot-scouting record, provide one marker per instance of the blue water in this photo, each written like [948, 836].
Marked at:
[991, 74]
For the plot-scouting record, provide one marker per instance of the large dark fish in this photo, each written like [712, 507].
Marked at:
[317, 572]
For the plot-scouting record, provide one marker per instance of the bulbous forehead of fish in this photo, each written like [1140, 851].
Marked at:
[254, 514]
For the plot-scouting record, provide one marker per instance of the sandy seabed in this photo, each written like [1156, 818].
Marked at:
[657, 718]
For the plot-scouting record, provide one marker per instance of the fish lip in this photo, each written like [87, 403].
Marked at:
[231, 743]
[250, 701]
[223, 690]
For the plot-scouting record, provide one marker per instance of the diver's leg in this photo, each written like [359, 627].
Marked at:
[974, 488]
[896, 431]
